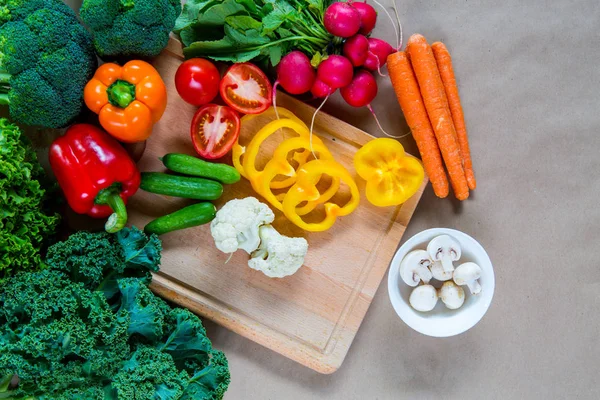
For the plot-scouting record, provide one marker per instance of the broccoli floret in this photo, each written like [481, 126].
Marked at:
[130, 28]
[46, 58]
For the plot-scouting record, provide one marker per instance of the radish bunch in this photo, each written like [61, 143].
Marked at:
[350, 72]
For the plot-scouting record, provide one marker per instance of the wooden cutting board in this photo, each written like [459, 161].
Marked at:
[310, 317]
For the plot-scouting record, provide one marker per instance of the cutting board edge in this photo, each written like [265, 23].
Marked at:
[276, 341]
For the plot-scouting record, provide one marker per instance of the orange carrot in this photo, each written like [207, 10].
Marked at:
[407, 90]
[436, 104]
[444, 63]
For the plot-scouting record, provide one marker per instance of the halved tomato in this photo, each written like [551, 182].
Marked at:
[214, 130]
[246, 89]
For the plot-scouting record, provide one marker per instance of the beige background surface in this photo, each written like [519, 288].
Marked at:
[529, 79]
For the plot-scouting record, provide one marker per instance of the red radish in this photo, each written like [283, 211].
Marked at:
[379, 50]
[320, 89]
[295, 74]
[356, 49]
[361, 91]
[368, 17]
[336, 71]
[341, 19]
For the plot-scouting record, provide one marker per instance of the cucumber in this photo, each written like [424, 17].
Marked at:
[188, 165]
[194, 215]
[181, 186]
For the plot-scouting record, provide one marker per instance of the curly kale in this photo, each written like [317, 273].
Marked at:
[46, 58]
[26, 222]
[130, 28]
[66, 337]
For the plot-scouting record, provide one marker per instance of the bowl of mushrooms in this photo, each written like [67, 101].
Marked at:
[441, 282]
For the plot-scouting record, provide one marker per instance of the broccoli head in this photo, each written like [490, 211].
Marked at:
[46, 58]
[130, 28]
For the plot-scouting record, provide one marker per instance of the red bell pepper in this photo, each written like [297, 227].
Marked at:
[95, 173]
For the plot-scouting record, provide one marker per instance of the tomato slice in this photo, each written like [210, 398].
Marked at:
[214, 130]
[246, 89]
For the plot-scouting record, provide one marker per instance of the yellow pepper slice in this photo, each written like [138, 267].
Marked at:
[252, 150]
[305, 190]
[392, 176]
[238, 150]
[262, 181]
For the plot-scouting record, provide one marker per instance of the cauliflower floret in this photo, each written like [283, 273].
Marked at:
[236, 224]
[278, 256]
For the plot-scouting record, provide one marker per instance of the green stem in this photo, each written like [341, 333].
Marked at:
[118, 218]
[5, 382]
[5, 77]
[318, 42]
[4, 99]
[121, 93]
[318, 25]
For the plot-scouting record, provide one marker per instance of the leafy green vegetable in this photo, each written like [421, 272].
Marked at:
[130, 28]
[244, 30]
[26, 223]
[67, 337]
[46, 58]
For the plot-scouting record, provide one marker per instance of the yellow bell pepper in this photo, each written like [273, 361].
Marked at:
[305, 190]
[392, 176]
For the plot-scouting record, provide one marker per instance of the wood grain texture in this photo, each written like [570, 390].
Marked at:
[310, 317]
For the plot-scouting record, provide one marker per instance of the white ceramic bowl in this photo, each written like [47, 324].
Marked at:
[441, 321]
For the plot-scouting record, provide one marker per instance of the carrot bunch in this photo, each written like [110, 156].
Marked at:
[424, 82]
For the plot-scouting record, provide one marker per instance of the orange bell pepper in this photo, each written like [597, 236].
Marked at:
[129, 100]
[392, 176]
[305, 190]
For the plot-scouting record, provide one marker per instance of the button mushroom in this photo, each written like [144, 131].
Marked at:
[415, 268]
[437, 271]
[452, 295]
[445, 249]
[423, 298]
[468, 274]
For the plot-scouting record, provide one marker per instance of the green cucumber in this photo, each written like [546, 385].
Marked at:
[194, 215]
[181, 186]
[188, 165]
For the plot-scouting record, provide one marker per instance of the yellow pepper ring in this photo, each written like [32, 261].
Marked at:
[301, 158]
[239, 150]
[278, 165]
[253, 148]
[305, 190]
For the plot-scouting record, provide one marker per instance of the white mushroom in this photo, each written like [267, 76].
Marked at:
[445, 249]
[468, 274]
[452, 295]
[414, 268]
[423, 298]
[437, 271]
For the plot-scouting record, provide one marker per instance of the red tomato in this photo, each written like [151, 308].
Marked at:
[246, 89]
[197, 81]
[214, 130]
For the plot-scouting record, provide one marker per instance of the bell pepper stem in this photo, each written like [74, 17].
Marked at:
[121, 93]
[118, 218]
